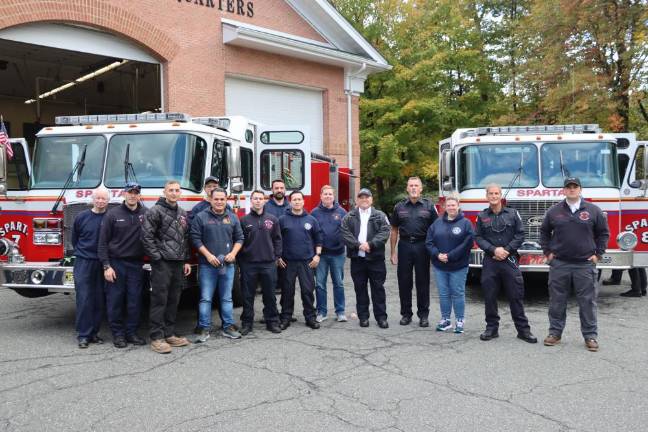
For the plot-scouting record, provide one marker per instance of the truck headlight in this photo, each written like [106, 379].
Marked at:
[627, 240]
[40, 238]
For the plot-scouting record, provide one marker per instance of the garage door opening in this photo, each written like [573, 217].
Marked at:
[39, 81]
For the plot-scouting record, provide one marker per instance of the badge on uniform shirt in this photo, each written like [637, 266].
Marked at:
[183, 221]
[584, 216]
[456, 230]
[141, 218]
[268, 224]
[308, 226]
[336, 216]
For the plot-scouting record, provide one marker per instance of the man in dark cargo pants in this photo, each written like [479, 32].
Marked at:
[573, 236]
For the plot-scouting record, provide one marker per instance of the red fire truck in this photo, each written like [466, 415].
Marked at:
[39, 198]
[530, 163]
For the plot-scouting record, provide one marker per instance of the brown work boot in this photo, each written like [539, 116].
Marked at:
[177, 341]
[551, 340]
[160, 346]
[591, 344]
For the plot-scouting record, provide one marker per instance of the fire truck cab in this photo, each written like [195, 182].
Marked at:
[530, 164]
[81, 153]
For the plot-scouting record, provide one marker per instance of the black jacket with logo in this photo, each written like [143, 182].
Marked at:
[574, 237]
[120, 236]
[165, 232]
[262, 238]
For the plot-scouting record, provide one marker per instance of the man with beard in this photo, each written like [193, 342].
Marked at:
[166, 241]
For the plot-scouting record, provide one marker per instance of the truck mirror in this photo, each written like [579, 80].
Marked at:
[446, 163]
[639, 184]
[447, 186]
[236, 185]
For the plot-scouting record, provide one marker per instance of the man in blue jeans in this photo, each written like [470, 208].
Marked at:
[329, 214]
[216, 234]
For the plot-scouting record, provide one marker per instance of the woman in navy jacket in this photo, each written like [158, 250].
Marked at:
[449, 240]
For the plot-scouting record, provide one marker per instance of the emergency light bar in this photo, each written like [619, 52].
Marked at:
[121, 118]
[216, 122]
[534, 129]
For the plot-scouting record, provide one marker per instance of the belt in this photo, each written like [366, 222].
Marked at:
[412, 239]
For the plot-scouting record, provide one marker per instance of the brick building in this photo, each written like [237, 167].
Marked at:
[276, 61]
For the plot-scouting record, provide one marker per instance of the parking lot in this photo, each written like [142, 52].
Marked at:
[339, 378]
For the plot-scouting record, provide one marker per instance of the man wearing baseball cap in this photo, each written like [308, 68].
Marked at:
[211, 183]
[365, 231]
[121, 252]
[573, 236]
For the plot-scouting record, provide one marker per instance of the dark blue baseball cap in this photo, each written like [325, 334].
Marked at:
[132, 187]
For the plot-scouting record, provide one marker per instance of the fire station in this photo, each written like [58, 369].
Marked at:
[274, 61]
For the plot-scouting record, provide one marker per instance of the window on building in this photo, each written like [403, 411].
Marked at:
[287, 165]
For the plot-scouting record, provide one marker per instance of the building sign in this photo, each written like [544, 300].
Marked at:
[238, 7]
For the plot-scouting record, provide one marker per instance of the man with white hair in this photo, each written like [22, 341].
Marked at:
[88, 271]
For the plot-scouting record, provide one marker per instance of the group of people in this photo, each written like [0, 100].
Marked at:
[278, 243]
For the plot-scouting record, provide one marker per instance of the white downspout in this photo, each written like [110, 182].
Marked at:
[349, 94]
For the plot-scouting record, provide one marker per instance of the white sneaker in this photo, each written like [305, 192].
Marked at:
[320, 318]
[341, 317]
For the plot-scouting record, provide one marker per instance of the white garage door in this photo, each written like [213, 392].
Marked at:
[275, 104]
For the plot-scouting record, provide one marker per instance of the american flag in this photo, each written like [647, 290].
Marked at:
[4, 140]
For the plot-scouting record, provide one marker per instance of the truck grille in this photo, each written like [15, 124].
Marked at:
[70, 212]
[531, 213]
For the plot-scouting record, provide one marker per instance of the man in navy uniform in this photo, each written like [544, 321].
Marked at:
[258, 260]
[499, 234]
[122, 254]
[573, 236]
[88, 273]
[410, 221]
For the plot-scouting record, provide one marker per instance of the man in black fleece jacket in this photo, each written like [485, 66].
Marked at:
[121, 252]
[573, 236]
[165, 235]
[258, 261]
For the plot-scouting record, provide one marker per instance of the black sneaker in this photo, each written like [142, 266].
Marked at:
[246, 329]
[274, 327]
[84, 343]
[120, 342]
[406, 320]
[631, 293]
[96, 340]
[312, 324]
[284, 324]
[135, 340]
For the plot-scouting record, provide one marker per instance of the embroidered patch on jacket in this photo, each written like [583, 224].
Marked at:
[268, 224]
[456, 230]
[308, 226]
[584, 216]
[226, 220]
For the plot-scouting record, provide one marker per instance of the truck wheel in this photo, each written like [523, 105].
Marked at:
[32, 293]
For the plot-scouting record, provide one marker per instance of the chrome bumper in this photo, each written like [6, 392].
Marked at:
[534, 260]
[52, 276]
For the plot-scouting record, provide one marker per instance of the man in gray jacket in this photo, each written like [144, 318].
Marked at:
[165, 235]
[365, 231]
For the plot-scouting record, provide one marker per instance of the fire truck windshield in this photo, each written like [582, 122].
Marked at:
[594, 163]
[56, 156]
[505, 164]
[156, 158]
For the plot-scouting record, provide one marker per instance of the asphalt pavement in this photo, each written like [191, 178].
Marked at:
[339, 378]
